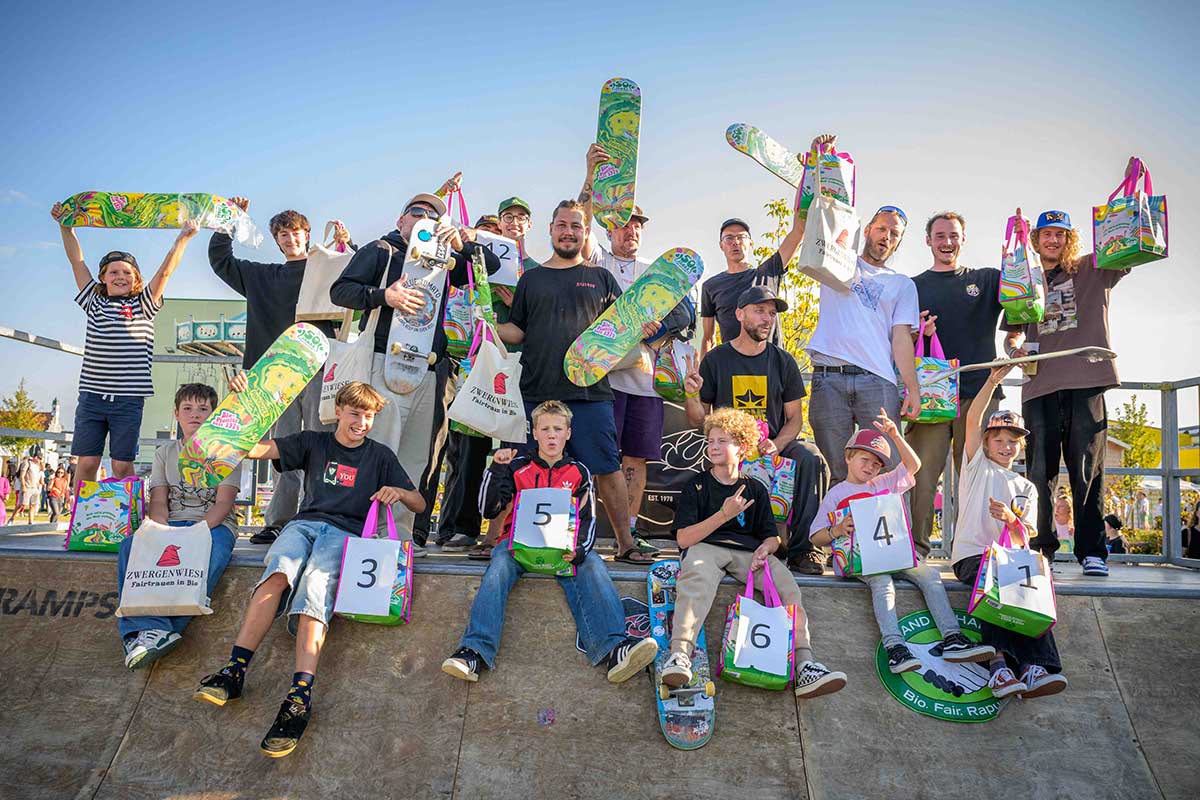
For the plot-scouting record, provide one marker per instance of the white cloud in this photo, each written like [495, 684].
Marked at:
[14, 197]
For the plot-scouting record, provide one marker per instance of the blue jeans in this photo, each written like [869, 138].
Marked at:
[218, 559]
[593, 600]
[838, 403]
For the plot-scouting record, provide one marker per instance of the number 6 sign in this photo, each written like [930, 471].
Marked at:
[882, 534]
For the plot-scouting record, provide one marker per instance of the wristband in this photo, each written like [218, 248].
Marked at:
[686, 393]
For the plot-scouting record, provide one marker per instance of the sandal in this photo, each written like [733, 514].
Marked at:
[644, 546]
[480, 552]
[634, 556]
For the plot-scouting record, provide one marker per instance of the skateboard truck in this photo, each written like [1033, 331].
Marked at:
[398, 349]
[686, 695]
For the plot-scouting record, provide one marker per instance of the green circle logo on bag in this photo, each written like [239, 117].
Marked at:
[940, 689]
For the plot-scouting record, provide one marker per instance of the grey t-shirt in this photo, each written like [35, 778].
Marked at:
[719, 295]
[187, 503]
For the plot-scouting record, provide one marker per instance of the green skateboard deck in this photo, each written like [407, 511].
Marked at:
[778, 160]
[243, 418]
[144, 210]
[619, 329]
[617, 132]
[687, 714]
[410, 339]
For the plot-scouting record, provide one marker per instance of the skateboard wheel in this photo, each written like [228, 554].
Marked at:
[395, 348]
[664, 692]
[710, 689]
[431, 358]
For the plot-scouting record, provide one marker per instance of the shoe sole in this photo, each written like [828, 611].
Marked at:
[676, 679]
[980, 653]
[640, 657]
[205, 697]
[1008, 691]
[1094, 574]
[833, 682]
[150, 656]
[810, 571]
[455, 671]
[905, 666]
[1050, 686]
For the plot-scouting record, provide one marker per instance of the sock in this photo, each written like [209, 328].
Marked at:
[301, 690]
[803, 654]
[633, 524]
[995, 666]
[239, 660]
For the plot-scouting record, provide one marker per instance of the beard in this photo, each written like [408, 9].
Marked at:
[758, 334]
[567, 249]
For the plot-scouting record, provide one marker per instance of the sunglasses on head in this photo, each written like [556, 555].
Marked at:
[894, 210]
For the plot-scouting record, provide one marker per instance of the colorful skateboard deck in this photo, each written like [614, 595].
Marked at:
[410, 340]
[243, 418]
[777, 159]
[144, 210]
[617, 132]
[619, 329]
[687, 715]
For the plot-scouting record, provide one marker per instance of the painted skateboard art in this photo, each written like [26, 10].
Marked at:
[777, 159]
[144, 210]
[243, 418]
[410, 340]
[619, 329]
[617, 132]
[687, 715]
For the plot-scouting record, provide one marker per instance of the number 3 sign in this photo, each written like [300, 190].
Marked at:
[882, 534]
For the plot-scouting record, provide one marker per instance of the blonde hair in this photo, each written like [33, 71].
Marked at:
[555, 407]
[988, 435]
[738, 424]
[1069, 261]
[1066, 501]
[356, 394]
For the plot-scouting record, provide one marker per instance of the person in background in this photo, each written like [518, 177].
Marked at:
[1064, 523]
[1112, 535]
[58, 493]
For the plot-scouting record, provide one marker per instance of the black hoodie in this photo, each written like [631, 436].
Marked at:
[358, 285]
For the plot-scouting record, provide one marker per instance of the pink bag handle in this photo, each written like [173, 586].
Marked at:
[935, 344]
[1020, 226]
[769, 593]
[482, 329]
[372, 522]
[463, 218]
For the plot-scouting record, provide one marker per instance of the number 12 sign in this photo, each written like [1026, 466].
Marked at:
[882, 534]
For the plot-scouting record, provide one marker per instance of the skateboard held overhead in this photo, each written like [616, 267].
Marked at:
[687, 714]
[1092, 354]
[777, 159]
[145, 210]
[410, 339]
[243, 418]
[619, 329]
[617, 132]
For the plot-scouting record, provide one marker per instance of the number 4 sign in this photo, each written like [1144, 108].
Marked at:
[882, 534]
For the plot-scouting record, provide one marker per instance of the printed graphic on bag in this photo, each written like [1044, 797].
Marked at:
[778, 474]
[103, 515]
[837, 178]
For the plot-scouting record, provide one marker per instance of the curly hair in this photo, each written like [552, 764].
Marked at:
[1070, 254]
[738, 424]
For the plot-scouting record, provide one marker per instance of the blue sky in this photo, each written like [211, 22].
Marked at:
[345, 111]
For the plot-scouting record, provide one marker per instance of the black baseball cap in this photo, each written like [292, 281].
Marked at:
[118, 255]
[760, 294]
[735, 221]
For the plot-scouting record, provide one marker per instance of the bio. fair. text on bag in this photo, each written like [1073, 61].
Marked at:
[882, 534]
[1022, 285]
[375, 579]
[829, 251]
[1131, 228]
[545, 525]
[757, 647]
[324, 266]
[490, 399]
[167, 571]
[939, 398]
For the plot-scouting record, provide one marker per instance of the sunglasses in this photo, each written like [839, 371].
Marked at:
[894, 210]
[422, 213]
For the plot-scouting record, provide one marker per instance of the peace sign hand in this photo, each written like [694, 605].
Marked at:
[692, 382]
[735, 504]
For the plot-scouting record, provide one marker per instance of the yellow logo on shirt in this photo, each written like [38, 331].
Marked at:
[750, 394]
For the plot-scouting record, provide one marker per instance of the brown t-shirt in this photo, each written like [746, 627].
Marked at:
[1076, 316]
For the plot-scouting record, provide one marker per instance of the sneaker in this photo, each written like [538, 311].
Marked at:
[418, 551]
[630, 657]
[1095, 566]
[1003, 683]
[266, 536]
[814, 679]
[807, 563]
[677, 670]
[956, 647]
[901, 659]
[1040, 683]
[289, 726]
[421, 537]
[219, 688]
[465, 665]
[458, 543]
[147, 647]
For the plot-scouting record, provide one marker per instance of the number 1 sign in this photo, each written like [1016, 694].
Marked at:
[882, 534]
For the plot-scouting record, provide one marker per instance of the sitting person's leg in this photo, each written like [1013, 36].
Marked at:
[812, 481]
[600, 620]
[700, 572]
[955, 646]
[486, 623]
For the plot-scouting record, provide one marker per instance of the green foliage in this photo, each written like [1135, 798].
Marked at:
[1131, 428]
[18, 411]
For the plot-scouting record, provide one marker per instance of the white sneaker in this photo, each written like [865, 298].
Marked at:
[148, 646]
[677, 670]
[1040, 683]
[814, 679]
[1095, 566]
[1003, 683]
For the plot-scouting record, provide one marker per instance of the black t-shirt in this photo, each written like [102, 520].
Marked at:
[339, 481]
[553, 306]
[702, 497]
[719, 295]
[758, 385]
[967, 305]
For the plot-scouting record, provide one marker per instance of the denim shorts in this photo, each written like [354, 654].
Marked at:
[308, 553]
[117, 417]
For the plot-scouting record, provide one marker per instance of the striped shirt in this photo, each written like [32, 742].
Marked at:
[120, 343]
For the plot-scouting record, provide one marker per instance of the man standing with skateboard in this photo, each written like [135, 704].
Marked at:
[552, 305]
[637, 407]
[751, 374]
[965, 303]
[271, 292]
[374, 279]
[719, 294]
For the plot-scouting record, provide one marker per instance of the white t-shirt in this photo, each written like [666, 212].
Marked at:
[637, 379]
[855, 327]
[981, 480]
[187, 503]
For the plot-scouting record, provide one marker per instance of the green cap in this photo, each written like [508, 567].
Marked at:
[514, 201]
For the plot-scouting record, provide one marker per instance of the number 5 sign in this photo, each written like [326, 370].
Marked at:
[882, 534]
[544, 526]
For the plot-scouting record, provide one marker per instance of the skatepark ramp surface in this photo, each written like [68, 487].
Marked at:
[388, 723]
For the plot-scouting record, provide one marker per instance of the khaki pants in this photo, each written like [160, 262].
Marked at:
[700, 573]
[405, 425]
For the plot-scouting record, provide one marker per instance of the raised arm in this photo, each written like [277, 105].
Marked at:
[596, 155]
[974, 419]
[158, 284]
[908, 457]
[70, 241]
[692, 384]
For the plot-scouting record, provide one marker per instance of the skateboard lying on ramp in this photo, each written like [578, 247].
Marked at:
[410, 340]
[617, 132]
[687, 715]
[778, 160]
[619, 329]
[243, 418]
[146, 210]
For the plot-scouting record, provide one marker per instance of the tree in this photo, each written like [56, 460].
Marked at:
[1131, 428]
[17, 411]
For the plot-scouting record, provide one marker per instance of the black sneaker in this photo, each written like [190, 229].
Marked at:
[218, 689]
[266, 536]
[289, 726]
[630, 657]
[807, 563]
[901, 659]
[956, 647]
[465, 665]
